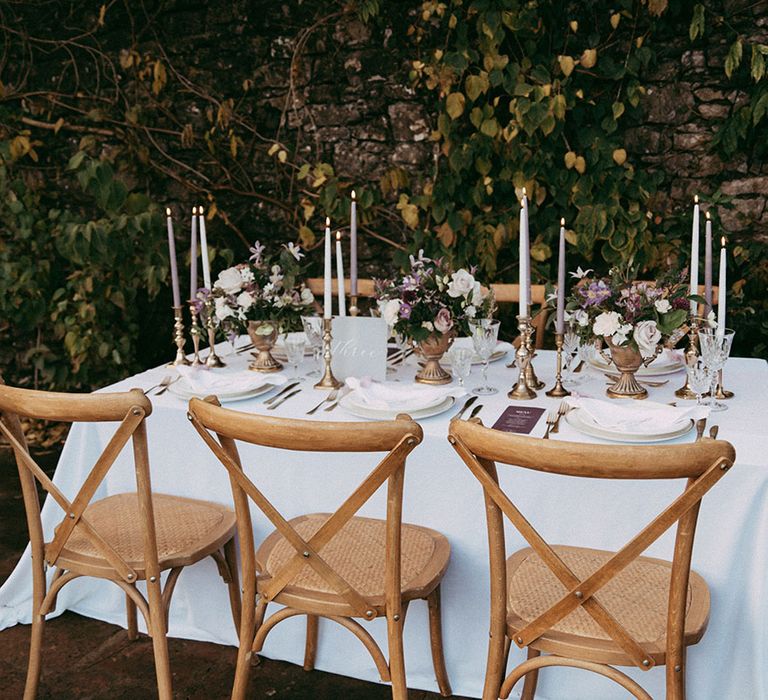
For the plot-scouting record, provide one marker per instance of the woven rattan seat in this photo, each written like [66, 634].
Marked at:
[637, 597]
[186, 530]
[358, 554]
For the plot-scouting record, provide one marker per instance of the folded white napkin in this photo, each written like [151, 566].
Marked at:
[629, 415]
[394, 396]
[203, 380]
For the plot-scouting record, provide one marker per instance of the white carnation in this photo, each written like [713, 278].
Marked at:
[390, 310]
[662, 305]
[607, 323]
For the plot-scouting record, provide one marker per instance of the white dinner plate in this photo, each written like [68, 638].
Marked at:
[398, 407]
[584, 423]
[182, 390]
[388, 414]
[655, 369]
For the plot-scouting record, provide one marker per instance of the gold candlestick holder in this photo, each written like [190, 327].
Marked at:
[327, 381]
[194, 331]
[178, 338]
[558, 391]
[522, 391]
[353, 310]
[685, 392]
[530, 374]
[720, 392]
[213, 360]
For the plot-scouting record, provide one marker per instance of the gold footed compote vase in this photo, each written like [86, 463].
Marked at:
[263, 335]
[627, 360]
[432, 350]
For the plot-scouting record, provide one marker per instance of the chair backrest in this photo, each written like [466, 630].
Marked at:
[129, 409]
[365, 287]
[510, 294]
[702, 463]
[397, 438]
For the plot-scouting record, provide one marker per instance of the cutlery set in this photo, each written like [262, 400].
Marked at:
[162, 385]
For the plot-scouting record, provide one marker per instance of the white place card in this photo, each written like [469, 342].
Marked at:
[359, 347]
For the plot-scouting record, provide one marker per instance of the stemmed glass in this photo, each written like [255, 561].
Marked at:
[485, 334]
[698, 378]
[715, 349]
[313, 329]
[461, 363]
[571, 351]
[294, 349]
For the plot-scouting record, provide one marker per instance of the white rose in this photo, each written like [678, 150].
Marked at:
[477, 294]
[245, 300]
[223, 310]
[647, 337]
[607, 323]
[390, 310]
[662, 305]
[306, 296]
[581, 317]
[229, 280]
[462, 283]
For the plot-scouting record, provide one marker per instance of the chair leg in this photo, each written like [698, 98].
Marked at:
[436, 642]
[676, 680]
[396, 658]
[35, 647]
[498, 651]
[531, 679]
[130, 614]
[230, 556]
[250, 621]
[157, 617]
[310, 646]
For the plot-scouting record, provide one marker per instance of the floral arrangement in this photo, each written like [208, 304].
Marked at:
[628, 313]
[431, 298]
[266, 288]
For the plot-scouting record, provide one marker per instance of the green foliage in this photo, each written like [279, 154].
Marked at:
[74, 279]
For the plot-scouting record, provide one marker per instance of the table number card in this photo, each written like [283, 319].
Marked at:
[359, 347]
[518, 419]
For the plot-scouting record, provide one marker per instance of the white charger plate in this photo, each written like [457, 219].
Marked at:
[404, 407]
[388, 414]
[655, 369]
[584, 423]
[182, 390]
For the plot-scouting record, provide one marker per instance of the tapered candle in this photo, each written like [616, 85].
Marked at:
[193, 257]
[353, 247]
[340, 276]
[524, 257]
[204, 250]
[721, 293]
[695, 255]
[172, 255]
[327, 297]
[708, 263]
[560, 320]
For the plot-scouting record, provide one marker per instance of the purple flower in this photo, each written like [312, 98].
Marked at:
[256, 249]
[596, 293]
[405, 310]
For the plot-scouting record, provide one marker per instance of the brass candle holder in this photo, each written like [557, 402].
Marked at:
[522, 391]
[194, 331]
[213, 360]
[558, 391]
[178, 338]
[720, 392]
[353, 310]
[530, 374]
[327, 381]
[685, 392]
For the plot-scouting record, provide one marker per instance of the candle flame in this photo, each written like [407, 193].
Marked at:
[696, 199]
[562, 221]
[338, 235]
[327, 221]
[194, 211]
[167, 211]
[707, 215]
[200, 211]
[722, 241]
[353, 194]
[525, 193]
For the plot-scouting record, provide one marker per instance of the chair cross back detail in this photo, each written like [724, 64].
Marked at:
[131, 426]
[581, 593]
[307, 551]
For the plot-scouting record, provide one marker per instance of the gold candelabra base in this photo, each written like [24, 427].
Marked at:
[685, 392]
[327, 381]
[178, 338]
[213, 360]
[558, 390]
[353, 309]
[194, 331]
[720, 392]
[523, 391]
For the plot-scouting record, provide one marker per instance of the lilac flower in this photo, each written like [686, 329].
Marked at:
[596, 293]
[256, 249]
[405, 310]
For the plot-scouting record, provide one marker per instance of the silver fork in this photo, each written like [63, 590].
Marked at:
[551, 420]
[165, 386]
[335, 404]
[562, 409]
[164, 382]
[330, 398]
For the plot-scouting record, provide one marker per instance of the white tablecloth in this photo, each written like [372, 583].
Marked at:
[731, 662]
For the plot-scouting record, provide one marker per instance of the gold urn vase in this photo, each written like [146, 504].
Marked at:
[263, 335]
[627, 360]
[432, 349]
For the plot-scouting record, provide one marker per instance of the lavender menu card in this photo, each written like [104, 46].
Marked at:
[518, 419]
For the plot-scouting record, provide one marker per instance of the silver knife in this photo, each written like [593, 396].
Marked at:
[283, 400]
[287, 387]
[475, 411]
[466, 405]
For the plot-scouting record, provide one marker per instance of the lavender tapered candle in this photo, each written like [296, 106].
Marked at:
[193, 257]
[560, 319]
[340, 276]
[708, 263]
[524, 258]
[172, 255]
[695, 255]
[327, 296]
[353, 247]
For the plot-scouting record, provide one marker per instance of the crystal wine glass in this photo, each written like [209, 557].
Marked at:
[715, 349]
[571, 348]
[485, 334]
[294, 349]
[461, 363]
[313, 329]
[698, 378]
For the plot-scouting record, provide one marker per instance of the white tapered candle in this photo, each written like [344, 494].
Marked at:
[340, 276]
[721, 282]
[327, 296]
[204, 249]
[193, 257]
[172, 256]
[524, 257]
[560, 319]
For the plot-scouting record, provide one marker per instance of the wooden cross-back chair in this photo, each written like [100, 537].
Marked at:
[510, 294]
[123, 538]
[588, 608]
[338, 566]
